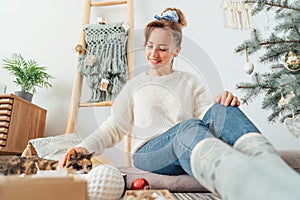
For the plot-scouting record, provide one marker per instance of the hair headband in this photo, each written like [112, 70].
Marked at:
[170, 15]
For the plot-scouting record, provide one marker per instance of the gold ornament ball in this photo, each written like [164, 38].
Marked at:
[292, 60]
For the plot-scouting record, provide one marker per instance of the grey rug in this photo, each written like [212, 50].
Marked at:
[195, 196]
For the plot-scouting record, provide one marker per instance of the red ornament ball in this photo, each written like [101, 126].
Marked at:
[140, 184]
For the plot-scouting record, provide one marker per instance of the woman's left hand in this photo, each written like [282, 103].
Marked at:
[227, 99]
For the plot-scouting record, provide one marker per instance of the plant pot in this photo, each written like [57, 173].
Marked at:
[25, 95]
[2, 89]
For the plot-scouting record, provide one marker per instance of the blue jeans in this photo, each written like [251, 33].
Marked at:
[169, 153]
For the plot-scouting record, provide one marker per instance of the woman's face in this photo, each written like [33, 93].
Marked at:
[161, 49]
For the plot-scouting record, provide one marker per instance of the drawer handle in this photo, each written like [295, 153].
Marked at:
[3, 130]
[9, 101]
[4, 124]
[4, 118]
[5, 107]
[2, 143]
[5, 112]
[3, 136]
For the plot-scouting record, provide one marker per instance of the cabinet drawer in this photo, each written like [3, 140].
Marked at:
[5, 107]
[4, 118]
[4, 124]
[3, 136]
[5, 112]
[6, 101]
[2, 143]
[3, 130]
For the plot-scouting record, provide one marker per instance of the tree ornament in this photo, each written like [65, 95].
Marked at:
[140, 184]
[248, 67]
[292, 60]
[282, 101]
[290, 95]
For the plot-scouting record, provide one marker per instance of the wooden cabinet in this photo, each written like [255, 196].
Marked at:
[20, 121]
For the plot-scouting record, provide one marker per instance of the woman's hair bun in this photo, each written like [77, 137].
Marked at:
[181, 20]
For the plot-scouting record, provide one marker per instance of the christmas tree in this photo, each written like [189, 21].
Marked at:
[280, 85]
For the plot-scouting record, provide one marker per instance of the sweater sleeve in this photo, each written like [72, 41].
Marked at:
[202, 99]
[112, 130]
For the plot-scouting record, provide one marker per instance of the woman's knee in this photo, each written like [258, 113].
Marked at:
[232, 111]
[190, 123]
[218, 106]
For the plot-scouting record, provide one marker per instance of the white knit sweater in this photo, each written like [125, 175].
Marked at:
[150, 105]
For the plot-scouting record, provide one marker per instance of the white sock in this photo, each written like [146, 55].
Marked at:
[256, 145]
[236, 176]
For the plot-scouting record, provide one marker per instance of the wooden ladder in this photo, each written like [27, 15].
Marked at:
[75, 103]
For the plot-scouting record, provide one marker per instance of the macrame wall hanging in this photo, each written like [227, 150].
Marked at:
[104, 63]
[237, 14]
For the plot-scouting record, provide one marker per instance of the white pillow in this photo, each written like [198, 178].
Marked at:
[54, 147]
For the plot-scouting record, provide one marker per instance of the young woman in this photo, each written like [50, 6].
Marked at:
[178, 129]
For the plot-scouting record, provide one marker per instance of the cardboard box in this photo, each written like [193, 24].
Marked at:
[28, 188]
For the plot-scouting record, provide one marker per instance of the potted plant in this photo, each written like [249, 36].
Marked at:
[29, 75]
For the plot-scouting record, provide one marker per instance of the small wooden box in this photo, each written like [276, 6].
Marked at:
[147, 194]
[20, 121]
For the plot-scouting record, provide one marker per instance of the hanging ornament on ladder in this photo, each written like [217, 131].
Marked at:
[237, 14]
[248, 67]
[90, 59]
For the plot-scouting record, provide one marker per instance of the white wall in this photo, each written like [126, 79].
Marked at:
[48, 30]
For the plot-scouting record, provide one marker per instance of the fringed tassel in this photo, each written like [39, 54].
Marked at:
[236, 14]
[27, 151]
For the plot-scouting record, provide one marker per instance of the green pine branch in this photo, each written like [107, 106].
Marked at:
[256, 43]
[269, 4]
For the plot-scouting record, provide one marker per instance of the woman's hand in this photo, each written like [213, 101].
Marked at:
[227, 99]
[70, 153]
